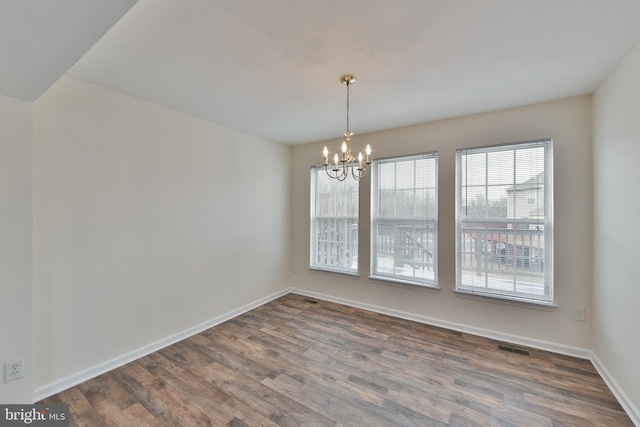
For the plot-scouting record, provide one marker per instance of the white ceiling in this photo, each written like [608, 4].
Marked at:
[41, 39]
[271, 68]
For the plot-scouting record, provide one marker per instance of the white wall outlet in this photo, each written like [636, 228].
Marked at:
[13, 370]
[578, 314]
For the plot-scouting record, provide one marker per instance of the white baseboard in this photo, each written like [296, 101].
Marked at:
[87, 374]
[500, 336]
[617, 391]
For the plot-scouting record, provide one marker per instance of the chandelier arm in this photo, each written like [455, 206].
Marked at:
[326, 169]
[336, 175]
[360, 174]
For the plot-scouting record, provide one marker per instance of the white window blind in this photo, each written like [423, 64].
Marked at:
[334, 222]
[404, 220]
[504, 230]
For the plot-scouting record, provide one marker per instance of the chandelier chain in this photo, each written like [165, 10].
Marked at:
[348, 84]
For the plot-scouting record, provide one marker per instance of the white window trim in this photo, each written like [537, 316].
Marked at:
[312, 231]
[401, 280]
[548, 298]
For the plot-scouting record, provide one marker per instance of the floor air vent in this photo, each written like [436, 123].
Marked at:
[310, 301]
[513, 350]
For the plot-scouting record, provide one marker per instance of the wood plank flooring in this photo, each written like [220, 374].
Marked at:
[301, 362]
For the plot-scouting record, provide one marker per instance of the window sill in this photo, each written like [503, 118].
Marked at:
[516, 302]
[400, 282]
[348, 273]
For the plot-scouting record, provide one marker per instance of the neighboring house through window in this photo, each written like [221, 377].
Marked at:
[504, 230]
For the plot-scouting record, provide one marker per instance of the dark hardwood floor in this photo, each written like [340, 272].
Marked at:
[301, 362]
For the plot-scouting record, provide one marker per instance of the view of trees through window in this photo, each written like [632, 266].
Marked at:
[479, 207]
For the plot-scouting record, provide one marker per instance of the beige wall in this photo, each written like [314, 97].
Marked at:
[568, 122]
[616, 112]
[147, 222]
[16, 312]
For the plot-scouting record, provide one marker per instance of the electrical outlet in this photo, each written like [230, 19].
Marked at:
[578, 314]
[13, 370]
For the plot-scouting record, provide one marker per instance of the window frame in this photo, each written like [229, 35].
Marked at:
[352, 242]
[431, 229]
[520, 252]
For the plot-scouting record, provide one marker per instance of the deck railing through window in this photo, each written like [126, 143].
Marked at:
[503, 257]
[336, 243]
[406, 248]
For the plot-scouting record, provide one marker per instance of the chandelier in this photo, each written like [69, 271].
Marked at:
[346, 164]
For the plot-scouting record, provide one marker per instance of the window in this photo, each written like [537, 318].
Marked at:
[504, 230]
[334, 222]
[404, 220]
